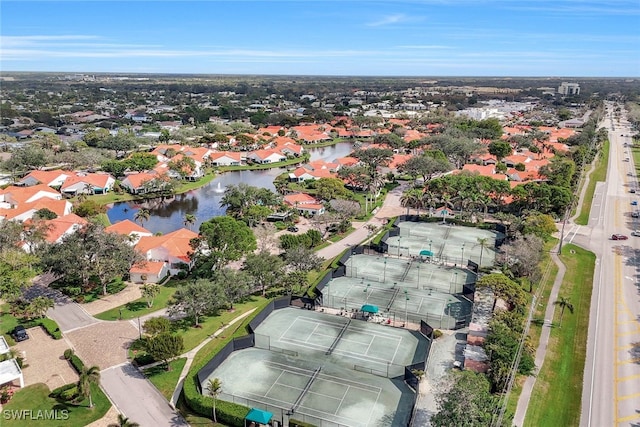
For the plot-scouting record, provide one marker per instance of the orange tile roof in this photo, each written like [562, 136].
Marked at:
[98, 180]
[57, 227]
[480, 169]
[148, 267]
[176, 243]
[300, 198]
[126, 227]
[137, 180]
[59, 207]
[231, 154]
[399, 159]
[22, 194]
[347, 161]
[45, 177]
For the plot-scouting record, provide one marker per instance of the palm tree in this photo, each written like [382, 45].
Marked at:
[409, 199]
[88, 376]
[214, 388]
[142, 216]
[124, 422]
[189, 220]
[483, 242]
[563, 303]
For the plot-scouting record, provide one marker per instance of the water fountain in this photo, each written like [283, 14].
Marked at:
[218, 189]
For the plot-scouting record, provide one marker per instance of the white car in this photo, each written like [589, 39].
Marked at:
[635, 233]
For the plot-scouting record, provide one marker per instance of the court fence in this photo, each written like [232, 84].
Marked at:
[281, 415]
[240, 343]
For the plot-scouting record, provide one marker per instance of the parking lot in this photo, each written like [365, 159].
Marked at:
[45, 359]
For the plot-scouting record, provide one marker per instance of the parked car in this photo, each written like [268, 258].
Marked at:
[633, 190]
[292, 229]
[629, 174]
[635, 233]
[635, 214]
[634, 203]
[619, 237]
[19, 333]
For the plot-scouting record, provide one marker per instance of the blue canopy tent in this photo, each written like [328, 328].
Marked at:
[258, 416]
[369, 308]
[425, 252]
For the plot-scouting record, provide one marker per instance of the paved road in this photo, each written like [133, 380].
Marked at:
[611, 392]
[68, 314]
[138, 399]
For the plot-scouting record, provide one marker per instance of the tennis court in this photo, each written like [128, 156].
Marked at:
[398, 302]
[409, 273]
[448, 243]
[321, 394]
[355, 344]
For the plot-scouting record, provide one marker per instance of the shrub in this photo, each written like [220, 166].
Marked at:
[77, 363]
[55, 393]
[437, 334]
[51, 327]
[68, 353]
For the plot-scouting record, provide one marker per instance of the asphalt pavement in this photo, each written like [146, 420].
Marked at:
[138, 399]
[611, 391]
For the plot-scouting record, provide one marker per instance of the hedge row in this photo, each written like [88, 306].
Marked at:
[75, 361]
[65, 393]
[49, 325]
[228, 413]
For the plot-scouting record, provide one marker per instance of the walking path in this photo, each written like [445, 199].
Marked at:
[541, 351]
[191, 354]
[527, 387]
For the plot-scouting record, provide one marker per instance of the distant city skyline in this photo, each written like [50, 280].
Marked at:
[581, 38]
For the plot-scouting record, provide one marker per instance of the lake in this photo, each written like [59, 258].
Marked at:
[167, 214]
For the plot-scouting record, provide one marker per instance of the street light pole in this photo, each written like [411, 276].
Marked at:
[406, 309]
[455, 285]
[399, 239]
[384, 274]
[418, 267]
[462, 259]
[366, 291]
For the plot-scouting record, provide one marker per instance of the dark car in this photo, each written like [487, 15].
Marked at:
[19, 333]
[292, 229]
[619, 237]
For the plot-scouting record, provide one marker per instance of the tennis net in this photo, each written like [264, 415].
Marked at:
[337, 340]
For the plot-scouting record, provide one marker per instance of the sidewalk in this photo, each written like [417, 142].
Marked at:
[192, 353]
[527, 387]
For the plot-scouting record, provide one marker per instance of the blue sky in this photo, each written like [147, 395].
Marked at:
[361, 38]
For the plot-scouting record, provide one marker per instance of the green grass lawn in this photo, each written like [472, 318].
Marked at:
[139, 307]
[7, 322]
[208, 325]
[36, 398]
[550, 271]
[185, 186]
[95, 294]
[635, 152]
[557, 394]
[164, 380]
[599, 174]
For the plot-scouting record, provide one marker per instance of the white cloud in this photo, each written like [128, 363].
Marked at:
[389, 20]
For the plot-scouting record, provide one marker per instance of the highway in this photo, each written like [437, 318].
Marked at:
[611, 390]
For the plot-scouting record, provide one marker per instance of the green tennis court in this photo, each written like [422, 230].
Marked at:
[355, 344]
[398, 302]
[321, 394]
[448, 243]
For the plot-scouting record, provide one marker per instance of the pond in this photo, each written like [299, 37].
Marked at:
[168, 214]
